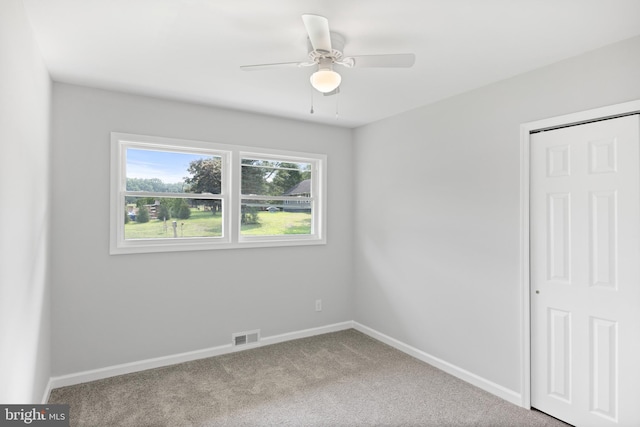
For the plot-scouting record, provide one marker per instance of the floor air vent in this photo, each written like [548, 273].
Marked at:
[244, 338]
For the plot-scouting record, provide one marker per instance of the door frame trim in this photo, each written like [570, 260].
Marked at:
[525, 290]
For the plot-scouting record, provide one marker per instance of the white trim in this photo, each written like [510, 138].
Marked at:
[120, 142]
[525, 350]
[275, 339]
[230, 196]
[158, 362]
[525, 131]
[127, 368]
[47, 391]
[317, 200]
[476, 380]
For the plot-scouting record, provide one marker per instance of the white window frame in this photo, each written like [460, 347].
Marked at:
[316, 199]
[230, 196]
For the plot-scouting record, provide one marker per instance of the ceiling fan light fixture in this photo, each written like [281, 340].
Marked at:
[325, 80]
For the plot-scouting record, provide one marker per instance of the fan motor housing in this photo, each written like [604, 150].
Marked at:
[337, 47]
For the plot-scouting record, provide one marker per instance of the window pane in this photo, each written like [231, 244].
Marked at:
[275, 178]
[172, 172]
[147, 218]
[270, 218]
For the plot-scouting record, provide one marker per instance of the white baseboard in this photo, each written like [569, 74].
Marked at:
[484, 384]
[158, 362]
[47, 391]
[306, 333]
[127, 368]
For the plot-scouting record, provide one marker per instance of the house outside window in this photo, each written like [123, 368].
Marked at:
[301, 194]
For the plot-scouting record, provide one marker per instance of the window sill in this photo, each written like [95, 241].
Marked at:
[266, 242]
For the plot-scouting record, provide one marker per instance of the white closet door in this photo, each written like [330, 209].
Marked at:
[585, 273]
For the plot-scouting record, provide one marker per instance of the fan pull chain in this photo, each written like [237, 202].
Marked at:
[337, 103]
[311, 112]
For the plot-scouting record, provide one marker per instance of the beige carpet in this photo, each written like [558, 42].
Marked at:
[338, 379]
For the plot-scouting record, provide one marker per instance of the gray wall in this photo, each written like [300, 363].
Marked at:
[25, 100]
[109, 310]
[437, 210]
[436, 219]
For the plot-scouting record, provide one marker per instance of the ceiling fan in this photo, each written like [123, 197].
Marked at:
[325, 50]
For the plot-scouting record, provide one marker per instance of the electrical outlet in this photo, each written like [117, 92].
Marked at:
[318, 305]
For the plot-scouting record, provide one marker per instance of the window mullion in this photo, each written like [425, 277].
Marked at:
[235, 174]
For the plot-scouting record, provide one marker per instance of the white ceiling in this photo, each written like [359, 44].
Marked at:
[192, 50]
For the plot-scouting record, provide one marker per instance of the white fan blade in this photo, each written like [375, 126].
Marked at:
[398, 60]
[318, 29]
[259, 67]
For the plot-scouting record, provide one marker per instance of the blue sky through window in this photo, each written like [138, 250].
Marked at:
[169, 167]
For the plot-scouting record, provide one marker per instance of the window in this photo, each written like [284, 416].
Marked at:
[173, 195]
[277, 196]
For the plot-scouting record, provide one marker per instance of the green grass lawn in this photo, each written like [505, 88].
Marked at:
[276, 223]
[201, 224]
[204, 224]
